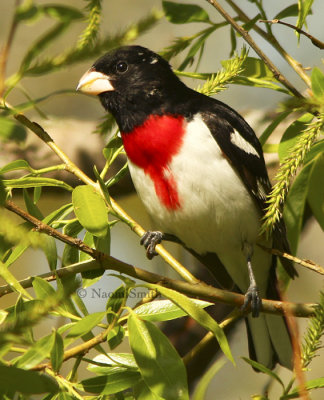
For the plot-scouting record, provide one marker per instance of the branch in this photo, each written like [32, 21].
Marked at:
[316, 42]
[274, 42]
[305, 263]
[276, 73]
[104, 261]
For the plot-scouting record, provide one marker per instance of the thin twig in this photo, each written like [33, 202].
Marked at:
[275, 71]
[316, 42]
[296, 65]
[305, 263]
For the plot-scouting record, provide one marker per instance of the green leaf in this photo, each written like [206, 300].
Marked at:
[204, 381]
[16, 165]
[27, 12]
[15, 254]
[12, 281]
[57, 352]
[35, 182]
[264, 369]
[295, 206]
[250, 24]
[36, 353]
[125, 360]
[256, 68]
[118, 176]
[198, 314]
[113, 146]
[59, 213]
[117, 381]
[39, 45]
[93, 276]
[86, 324]
[73, 228]
[316, 150]
[70, 255]
[310, 385]
[197, 46]
[142, 392]
[116, 301]
[315, 195]
[43, 289]
[184, 13]
[3, 193]
[62, 13]
[11, 131]
[290, 11]
[91, 210]
[26, 382]
[159, 363]
[304, 8]
[164, 310]
[291, 135]
[273, 125]
[317, 79]
[115, 336]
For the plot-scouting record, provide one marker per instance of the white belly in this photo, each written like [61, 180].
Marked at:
[217, 214]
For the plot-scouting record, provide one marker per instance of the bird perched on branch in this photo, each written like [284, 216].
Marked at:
[199, 169]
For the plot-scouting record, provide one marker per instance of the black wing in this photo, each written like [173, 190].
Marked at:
[243, 151]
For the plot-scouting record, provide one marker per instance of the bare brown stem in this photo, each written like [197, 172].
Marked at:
[316, 42]
[274, 42]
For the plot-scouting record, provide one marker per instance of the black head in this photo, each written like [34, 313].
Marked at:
[133, 82]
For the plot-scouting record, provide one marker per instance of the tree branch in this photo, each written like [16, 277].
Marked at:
[276, 73]
[103, 261]
[274, 42]
[316, 42]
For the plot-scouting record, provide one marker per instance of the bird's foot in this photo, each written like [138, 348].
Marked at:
[252, 296]
[149, 240]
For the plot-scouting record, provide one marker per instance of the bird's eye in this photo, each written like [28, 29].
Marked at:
[121, 67]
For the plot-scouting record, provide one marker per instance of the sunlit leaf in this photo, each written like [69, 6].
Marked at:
[36, 353]
[117, 381]
[86, 324]
[198, 314]
[57, 352]
[159, 363]
[91, 210]
[164, 310]
[318, 83]
[183, 13]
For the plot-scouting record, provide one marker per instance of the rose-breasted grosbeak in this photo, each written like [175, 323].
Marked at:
[199, 170]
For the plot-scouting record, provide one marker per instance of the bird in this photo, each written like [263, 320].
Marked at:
[199, 170]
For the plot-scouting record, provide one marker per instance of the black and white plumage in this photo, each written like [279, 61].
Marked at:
[199, 170]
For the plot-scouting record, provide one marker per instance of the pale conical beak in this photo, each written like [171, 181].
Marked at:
[94, 82]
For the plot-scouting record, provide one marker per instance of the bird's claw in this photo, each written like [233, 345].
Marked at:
[252, 296]
[149, 240]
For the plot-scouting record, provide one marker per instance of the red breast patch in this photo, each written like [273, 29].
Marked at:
[151, 147]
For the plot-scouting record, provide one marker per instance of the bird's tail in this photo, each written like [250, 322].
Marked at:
[268, 335]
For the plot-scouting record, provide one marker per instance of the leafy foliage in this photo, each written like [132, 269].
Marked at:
[153, 369]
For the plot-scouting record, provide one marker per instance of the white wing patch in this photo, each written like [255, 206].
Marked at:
[243, 144]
